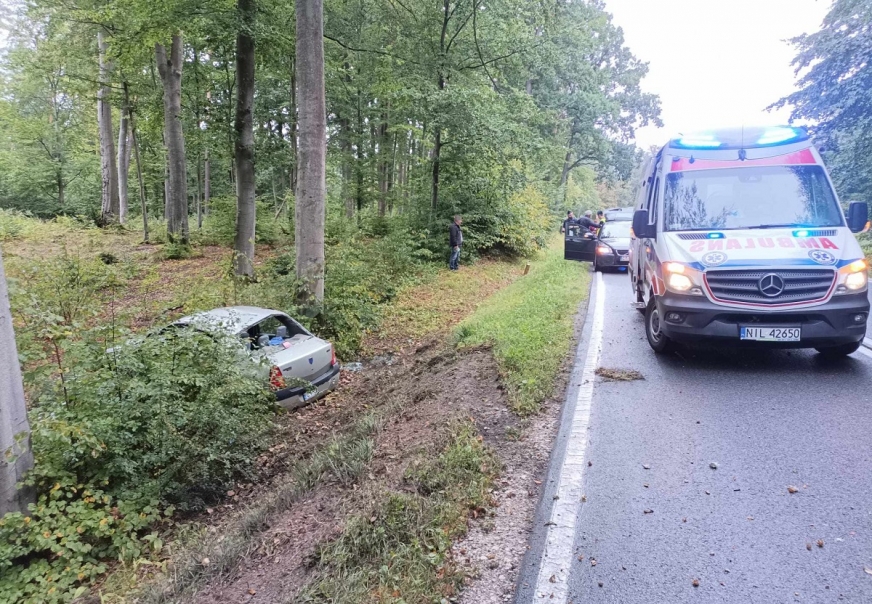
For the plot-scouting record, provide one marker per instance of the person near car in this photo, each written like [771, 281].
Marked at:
[587, 222]
[569, 222]
[455, 242]
[601, 219]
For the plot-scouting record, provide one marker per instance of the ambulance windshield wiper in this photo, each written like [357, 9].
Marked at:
[792, 225]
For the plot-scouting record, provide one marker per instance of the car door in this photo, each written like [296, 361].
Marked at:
[579, 244]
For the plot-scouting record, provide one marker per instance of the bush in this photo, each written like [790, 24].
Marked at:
[122, 432]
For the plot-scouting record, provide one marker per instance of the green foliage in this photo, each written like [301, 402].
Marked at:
[400, 551]
[219, 227]
[122, 428]
[836, 68]
[530, 324]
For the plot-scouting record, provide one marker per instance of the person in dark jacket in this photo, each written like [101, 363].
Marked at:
[586, 222]
[569, 222]
[455, 242]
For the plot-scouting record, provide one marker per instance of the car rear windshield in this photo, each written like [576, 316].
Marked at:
[748, 198]
[616, 230]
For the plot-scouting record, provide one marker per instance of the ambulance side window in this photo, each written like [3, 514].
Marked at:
[652, 202]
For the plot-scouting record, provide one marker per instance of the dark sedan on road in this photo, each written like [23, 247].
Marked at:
[613, 246]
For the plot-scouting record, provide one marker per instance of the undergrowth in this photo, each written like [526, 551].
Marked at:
[529, 324]
[399, 551]
[343, 458]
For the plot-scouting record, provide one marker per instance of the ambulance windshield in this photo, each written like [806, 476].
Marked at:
[748, 198]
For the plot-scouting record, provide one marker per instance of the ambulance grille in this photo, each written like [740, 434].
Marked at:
[743, 286]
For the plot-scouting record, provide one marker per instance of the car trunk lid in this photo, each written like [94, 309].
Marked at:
[304, 357]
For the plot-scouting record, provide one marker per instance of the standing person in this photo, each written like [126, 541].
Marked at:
[600, 216]
[587, 223]
[455, 241]
[569, 222]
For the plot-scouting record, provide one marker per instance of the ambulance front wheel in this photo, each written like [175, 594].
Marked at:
[654, 330]
[837, 352]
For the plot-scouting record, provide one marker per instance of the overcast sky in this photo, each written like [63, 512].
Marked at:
[715, 62]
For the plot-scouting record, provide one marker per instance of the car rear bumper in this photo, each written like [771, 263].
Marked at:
[291, 398]
[831, 324]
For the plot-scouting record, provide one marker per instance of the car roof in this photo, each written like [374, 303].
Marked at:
[234, 319]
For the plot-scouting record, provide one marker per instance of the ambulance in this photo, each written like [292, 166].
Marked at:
[739, 239]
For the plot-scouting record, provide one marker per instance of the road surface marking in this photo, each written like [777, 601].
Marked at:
[866, 352]
[557, 555]
[867, 342]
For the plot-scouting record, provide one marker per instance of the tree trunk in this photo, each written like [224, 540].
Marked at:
[295, 160]
[207, 182]
[383, 159]
[244, 145]
[16, 456]
[311, 184]
[177, 193]
[109, 207]
[142, 200]
[123, 161]
[347, 166]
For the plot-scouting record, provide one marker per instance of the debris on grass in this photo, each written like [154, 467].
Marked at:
[619, 375]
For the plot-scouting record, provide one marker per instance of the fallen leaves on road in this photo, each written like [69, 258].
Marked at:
[713, 465]
[820, 543]
[808, 546]
[792, 490]
[695, 583]
[648, 512]
[646, 466]
[619, 375]
[867, 570]
[593, 561]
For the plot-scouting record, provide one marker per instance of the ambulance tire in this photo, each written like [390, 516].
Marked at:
[658, 341]
[640, 299]
[837, 352]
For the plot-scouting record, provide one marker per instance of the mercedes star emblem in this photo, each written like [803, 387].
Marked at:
[771, 285]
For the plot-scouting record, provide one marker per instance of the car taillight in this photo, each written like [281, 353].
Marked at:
[276, 379]
[332, 356]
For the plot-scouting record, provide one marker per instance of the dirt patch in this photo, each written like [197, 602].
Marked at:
[430, 389]
[619, 375]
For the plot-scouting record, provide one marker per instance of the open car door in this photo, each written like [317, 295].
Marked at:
[579, 244]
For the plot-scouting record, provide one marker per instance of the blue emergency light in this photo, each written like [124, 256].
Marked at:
[715, 235]
[741, 138]
[801, 233]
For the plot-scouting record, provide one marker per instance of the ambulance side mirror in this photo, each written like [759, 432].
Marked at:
[641, 228]
[858, 214]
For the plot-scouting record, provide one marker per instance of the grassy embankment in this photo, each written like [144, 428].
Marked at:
[530, 325]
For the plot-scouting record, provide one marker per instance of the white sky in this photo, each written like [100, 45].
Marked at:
[715, 62]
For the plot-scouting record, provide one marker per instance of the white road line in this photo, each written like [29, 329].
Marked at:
[867, 342]
[865, 351]
[557, 555]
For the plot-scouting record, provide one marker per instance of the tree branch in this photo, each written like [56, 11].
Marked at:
[372, 51]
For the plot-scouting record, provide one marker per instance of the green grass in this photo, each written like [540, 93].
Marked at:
[530, 325]
[399, 551]
[865, 240]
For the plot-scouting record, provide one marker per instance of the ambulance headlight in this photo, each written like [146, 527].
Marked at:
[679, 283]
[856, 281]
[854, 278]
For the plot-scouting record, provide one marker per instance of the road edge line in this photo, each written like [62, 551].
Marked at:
[557, 553]
[867, 342]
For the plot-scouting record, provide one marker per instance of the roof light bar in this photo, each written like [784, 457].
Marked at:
[699, 141]
[781, 134]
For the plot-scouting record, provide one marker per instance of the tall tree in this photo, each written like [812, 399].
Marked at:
[246, 214]
[835, 67]
[123, 159]
[177, 179]
[310, 210]
[110, 206]
[15, 452]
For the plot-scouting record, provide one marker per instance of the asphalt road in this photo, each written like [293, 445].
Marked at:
[769, 420]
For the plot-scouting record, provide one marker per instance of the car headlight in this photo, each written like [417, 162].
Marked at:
[854, 278]
[603, 249]
[682, 279]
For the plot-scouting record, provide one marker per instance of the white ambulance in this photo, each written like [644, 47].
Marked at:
[739, 238]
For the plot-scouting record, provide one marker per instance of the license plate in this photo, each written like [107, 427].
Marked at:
[625, 258]
[771, 334]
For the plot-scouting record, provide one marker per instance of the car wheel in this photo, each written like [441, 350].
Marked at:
[654, 331]
[837, 352]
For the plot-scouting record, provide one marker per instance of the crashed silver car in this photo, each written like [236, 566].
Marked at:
[303, 367]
